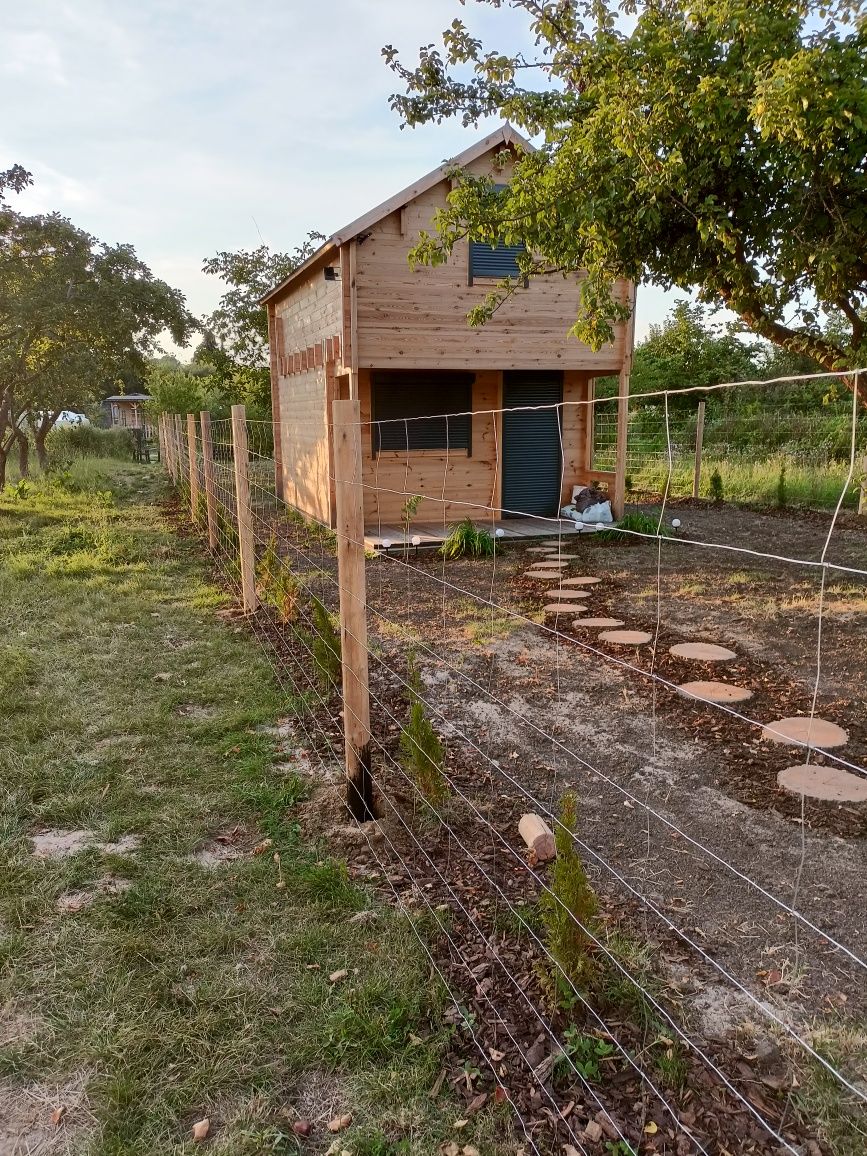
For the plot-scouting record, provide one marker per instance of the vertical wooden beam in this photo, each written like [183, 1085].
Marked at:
[619, 502]
[346, 424]
[194, 466]
[275, 348]
[246, 542]
[699, 441]
[862, 493]
[208, 476]
[590, 424]
[178, 443]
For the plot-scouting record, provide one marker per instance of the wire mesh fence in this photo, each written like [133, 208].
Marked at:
[674, 974]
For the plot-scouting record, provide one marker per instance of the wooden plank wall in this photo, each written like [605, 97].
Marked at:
[417, 318]
[310, 312]
[470, 484]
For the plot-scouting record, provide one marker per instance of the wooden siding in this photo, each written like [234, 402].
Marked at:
[417, 318]
[469, 483]
[309, 314]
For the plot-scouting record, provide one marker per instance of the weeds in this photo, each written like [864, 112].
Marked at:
[465, 540]
[325, 647]
[569, 909]
[626, 531]
[782, 496]
[587, 1053]
[276, 585]
[421, 752]
[716, 486]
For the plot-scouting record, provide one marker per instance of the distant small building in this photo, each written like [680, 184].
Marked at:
[127, 411]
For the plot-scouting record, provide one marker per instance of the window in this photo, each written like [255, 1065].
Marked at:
[499, 261]
[410, 410]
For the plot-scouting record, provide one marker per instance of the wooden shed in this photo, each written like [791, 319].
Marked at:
[447, 408]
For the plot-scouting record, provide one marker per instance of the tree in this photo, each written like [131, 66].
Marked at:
[688, 352]
[235, 344]
[718, 146]
[74, 314]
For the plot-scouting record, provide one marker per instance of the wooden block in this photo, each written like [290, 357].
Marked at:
[538, 836]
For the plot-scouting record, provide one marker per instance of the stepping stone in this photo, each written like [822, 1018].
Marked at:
[821, 733]
[585, 581]
[548, 575]
[538, 550]
[832, 783]
[626, 637]
[606, 623]
[702, 652]
[561, 557]
[548, 564]
[552, 544]
[715, 691]
[570, 594]
[564, 608]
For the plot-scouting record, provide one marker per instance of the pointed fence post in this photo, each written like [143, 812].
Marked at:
[208, 476]
[194, 467]
[699, 442]
[346, 426]
[246, 542]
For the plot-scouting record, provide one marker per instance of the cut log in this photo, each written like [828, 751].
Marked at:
[538, 836]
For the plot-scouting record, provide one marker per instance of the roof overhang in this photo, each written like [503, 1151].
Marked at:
[505, 135]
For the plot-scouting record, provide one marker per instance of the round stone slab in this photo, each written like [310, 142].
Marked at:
[604, 623]
[570, 594]
[548, 564]
[702, 652]
[585, 581]
[821, 733]
[716, 691]
[551, 544]
[561, 557]
[538, 550]
[832, 783]
[626, 637]
[547, 575]
[564, 608]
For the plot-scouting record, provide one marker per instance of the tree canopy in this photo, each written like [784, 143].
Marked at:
[235, 344]
[75, 314]
[710, 145]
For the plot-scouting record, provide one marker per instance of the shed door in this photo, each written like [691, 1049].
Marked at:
[532, 461]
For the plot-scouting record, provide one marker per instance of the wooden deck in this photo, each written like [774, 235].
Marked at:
[430, 534]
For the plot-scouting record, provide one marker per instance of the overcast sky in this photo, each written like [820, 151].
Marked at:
[187, 128]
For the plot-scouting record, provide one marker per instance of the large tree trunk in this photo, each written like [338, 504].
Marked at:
[23, 453]
[3, 456]
[46, 425]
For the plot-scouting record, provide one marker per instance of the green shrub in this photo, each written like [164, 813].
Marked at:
[569, 908]
[88, 441]
[465, 540]
[624, 532]
[326, 647]
[421, 752]
[782, 496]
[276, 585]
[716, 486]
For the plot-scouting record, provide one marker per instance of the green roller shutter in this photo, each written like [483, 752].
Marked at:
[532, 454]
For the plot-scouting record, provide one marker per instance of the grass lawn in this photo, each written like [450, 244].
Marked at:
[153, 970]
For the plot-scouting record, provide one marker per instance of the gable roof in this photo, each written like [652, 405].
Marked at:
[505, 135]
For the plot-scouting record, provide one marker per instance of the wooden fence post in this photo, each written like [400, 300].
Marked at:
[346, 426]
[161, 437]
[699, 441]
[208, 476]
[618, 506]
[862, 494]
[246, 542]
[178, 442]
[194, 467]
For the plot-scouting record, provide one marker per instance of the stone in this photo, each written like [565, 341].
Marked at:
[830, 783]
[582, 581]
[605, 623]
[626, 637]
[715, 691]
[548, 575]
[564, 608]
[547, 564]
[702, 652]
[818, 732]
[569, 594]
[562, 557]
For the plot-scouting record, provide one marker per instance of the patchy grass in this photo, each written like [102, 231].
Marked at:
[144, 986]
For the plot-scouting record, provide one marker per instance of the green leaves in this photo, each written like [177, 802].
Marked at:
[718, 147]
